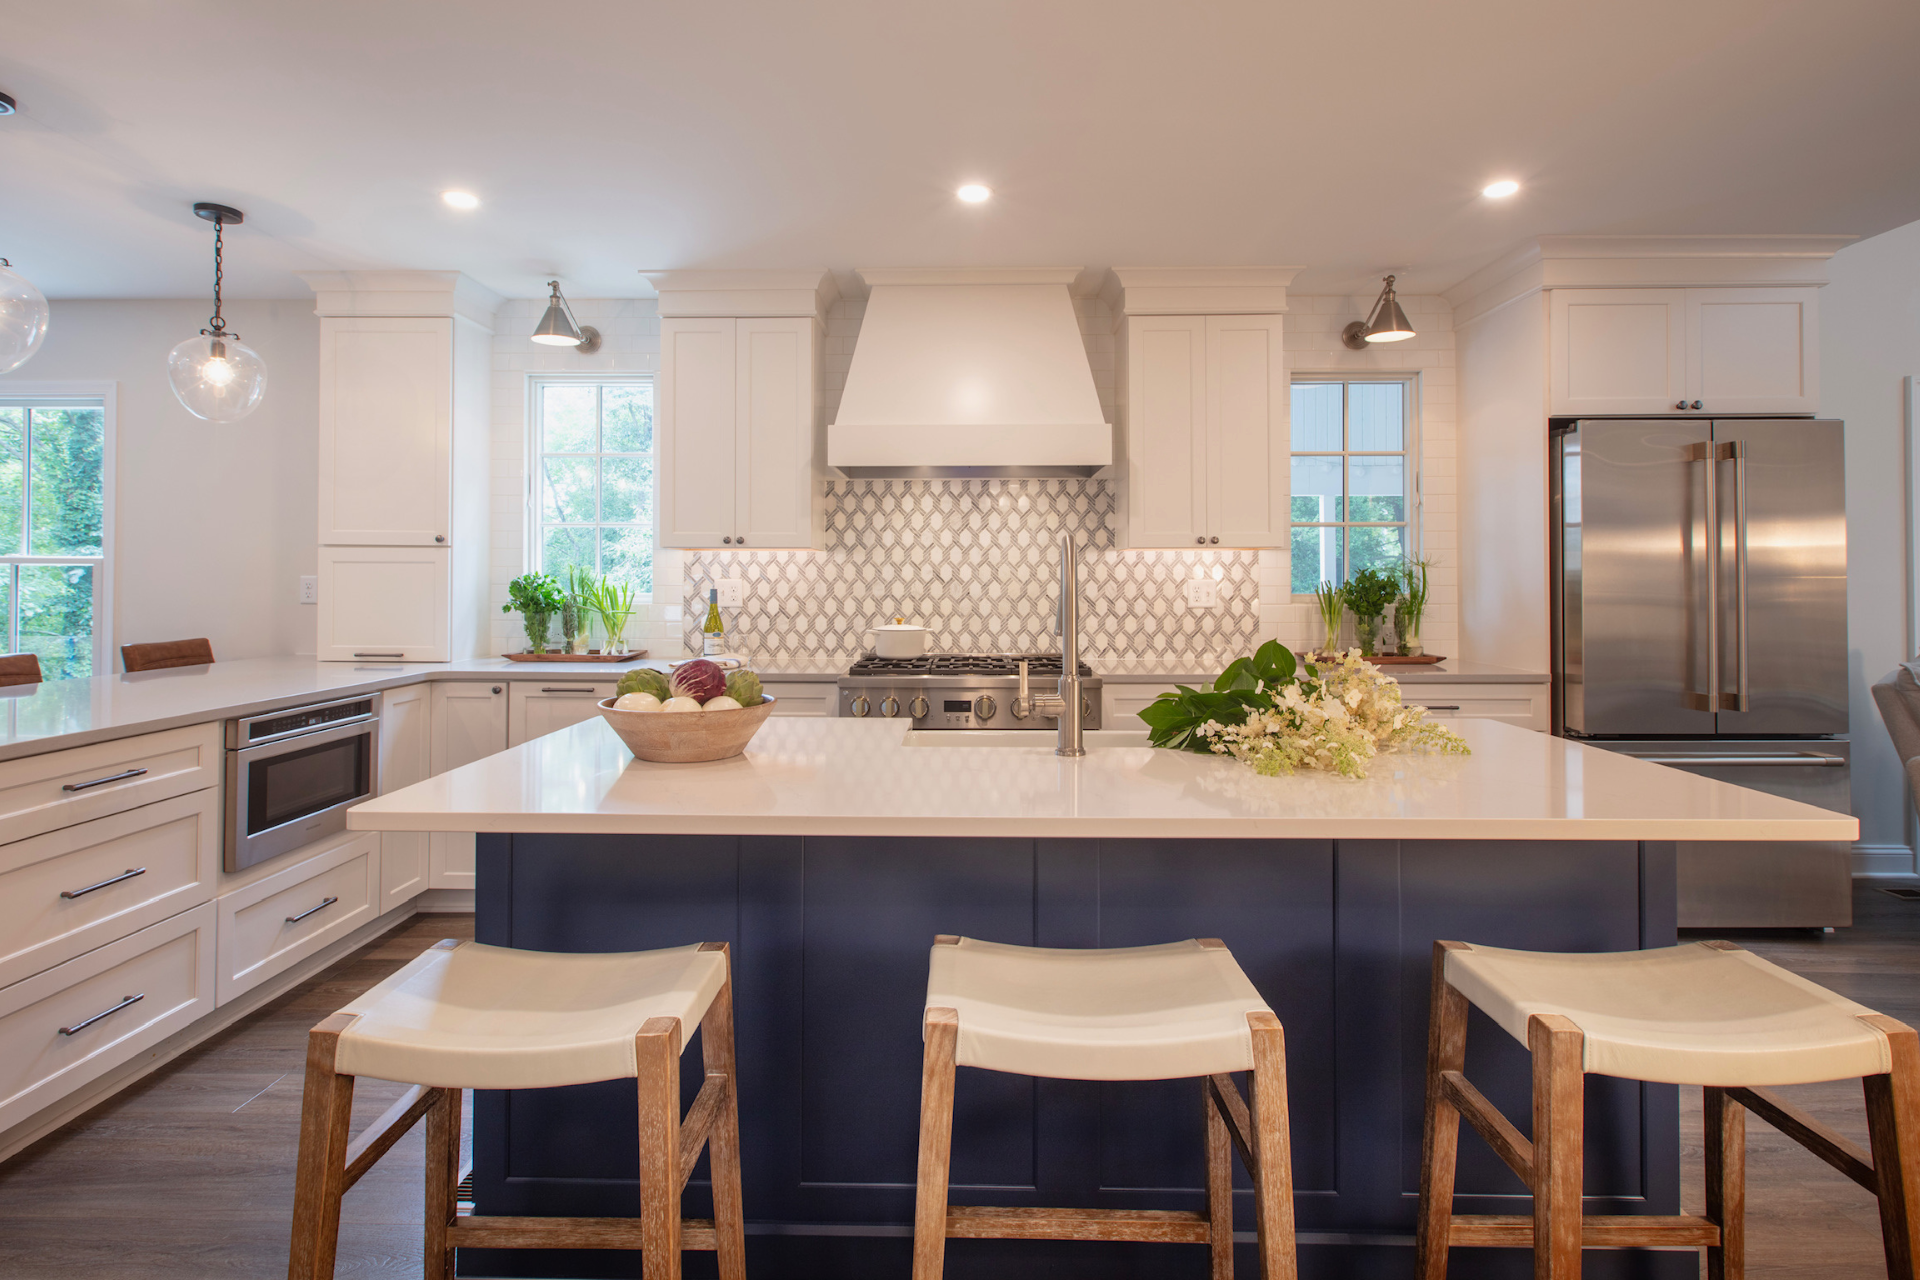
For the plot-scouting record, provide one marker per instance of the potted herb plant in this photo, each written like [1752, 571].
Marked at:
[536, 597]
[1412, 605]
[1367, 594]
[614, 602]
[576, 609]
[1333, 611]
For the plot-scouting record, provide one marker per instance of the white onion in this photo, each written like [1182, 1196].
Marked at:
[636, 702]
[679, 704]
[721, 703]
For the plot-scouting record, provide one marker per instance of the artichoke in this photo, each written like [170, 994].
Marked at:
[744, 688]
[645, 680]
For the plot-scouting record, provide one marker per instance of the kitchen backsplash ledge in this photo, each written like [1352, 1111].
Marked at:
[978, 562]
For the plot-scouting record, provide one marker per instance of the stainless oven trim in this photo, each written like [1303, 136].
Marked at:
[292, 834]
[237, 729]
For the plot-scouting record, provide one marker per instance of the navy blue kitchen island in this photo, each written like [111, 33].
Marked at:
[830, 937]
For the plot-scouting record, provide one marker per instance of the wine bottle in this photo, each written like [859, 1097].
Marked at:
[713, 634]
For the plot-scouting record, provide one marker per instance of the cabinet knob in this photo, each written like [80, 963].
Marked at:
[1696, 404]
[1215, 538]
[496, 688]
[1681, 405]
[1202, 541]
[439, 537]
[739, 542]
[729, 541]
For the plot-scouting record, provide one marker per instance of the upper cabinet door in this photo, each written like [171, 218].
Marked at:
[775, 494]
[383, 603]
[1617, 351]
[1753, 350]
[1166, 431]
[698, 431]
[386, 431]
[1248, 471]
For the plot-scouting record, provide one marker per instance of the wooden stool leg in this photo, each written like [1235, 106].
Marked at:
[443, 1181]
[1440, 1137]
[657, 1056]
[1219, 1185]
[942, 1034]
[723, 1141]
[1893, 1120]
[1726, 1144]
[1559, 1119]
[1273, 1158]
[325, 1112]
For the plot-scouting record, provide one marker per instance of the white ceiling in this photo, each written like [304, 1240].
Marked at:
[609, 136]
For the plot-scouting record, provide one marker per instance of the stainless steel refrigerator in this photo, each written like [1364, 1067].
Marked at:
[1700, 621]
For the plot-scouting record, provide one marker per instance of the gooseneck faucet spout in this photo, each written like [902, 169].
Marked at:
[1066, 705]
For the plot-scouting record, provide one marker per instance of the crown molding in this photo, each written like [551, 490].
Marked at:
[714, 292]
[402, 293]
[1212, 291]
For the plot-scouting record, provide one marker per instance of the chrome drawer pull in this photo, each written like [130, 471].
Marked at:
[122, 776]
[310, 910]
[82, 1026]
[1435, 706]
[128, 874]
[567, 688]
[380, 655]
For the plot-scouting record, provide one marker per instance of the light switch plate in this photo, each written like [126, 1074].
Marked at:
[1203, 593]
[309, 588]
[733, 592]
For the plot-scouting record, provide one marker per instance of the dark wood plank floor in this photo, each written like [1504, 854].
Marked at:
[189, 1175]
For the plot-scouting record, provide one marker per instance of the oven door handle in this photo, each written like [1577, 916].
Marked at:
[1775, 760]
[369, 725]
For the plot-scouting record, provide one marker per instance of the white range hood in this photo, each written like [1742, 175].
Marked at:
[969, 373]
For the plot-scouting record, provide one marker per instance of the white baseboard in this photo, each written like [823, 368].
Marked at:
[79, 1102]
[444, 900]
[1873, 861]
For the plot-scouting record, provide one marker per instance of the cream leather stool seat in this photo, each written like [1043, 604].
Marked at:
[464, 1015]
[1183, 1009]
[1691, 1014]
[1705, 1013]
[1129, 1013]
[481, 1017]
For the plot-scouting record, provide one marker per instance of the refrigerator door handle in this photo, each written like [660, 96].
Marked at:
[1741, 698]
[1802, 759]
[1710, 699]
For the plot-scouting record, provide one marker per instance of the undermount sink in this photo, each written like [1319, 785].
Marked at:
[1031, 739]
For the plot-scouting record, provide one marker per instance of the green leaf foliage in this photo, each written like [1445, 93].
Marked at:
[1173, 719]
[1370, 591]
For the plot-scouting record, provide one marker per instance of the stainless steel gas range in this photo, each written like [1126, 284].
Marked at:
[958, 690]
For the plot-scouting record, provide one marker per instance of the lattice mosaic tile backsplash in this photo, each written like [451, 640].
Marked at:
[978, 561]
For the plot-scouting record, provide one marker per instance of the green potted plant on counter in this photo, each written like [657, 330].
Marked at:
[1333, 611]
[1412, 606]
[536, 597]
[1367, 594]
[614, 602]
[576, 609]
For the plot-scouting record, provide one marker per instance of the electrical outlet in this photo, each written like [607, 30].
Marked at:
[309, 588]
[733, 592]
[1203, 593]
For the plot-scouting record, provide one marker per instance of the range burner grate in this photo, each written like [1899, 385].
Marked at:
[1039, 665]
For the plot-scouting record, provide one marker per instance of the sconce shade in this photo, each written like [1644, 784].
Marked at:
[556, 328]
[1388, 323]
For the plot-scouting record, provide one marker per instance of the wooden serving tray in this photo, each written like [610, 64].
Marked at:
[635, 656]
[1385, 659]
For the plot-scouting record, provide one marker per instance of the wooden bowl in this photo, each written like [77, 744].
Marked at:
[682, 737]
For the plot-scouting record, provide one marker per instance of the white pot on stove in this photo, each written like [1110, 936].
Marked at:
[898, 639]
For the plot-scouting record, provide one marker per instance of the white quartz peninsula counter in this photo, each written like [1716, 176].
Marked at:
[857, 777]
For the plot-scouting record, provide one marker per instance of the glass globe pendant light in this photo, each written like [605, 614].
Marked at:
[217, 376]
[23, 318]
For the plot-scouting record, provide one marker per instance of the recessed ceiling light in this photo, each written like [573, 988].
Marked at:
[461, 199]
[974, 193]
[1500, 190]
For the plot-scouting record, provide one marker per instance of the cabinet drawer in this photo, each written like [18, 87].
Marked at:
[69, 891]
[536, 708]
[168, 966]
[1521, 704]
[804, 698]
[276, 922]
[61, 788]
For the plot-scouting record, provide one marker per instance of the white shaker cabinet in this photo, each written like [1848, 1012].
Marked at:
[406, 757]
[1657, 351]
[536, 708]
[469, 723]
[386, 431]
[1206, 432]
[384, 604]
[736, 416]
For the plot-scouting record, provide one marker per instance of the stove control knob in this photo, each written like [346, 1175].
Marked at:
[890, 706]
[860, 706]
[919, 708]
[984, 707]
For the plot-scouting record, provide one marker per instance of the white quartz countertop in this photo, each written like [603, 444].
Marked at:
[856, 777]
[1450, 671]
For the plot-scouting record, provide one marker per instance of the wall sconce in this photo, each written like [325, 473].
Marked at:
[1388, 323]
[559, 329]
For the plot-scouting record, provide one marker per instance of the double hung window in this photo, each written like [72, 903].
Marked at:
[594, 479]
[52, 532]
[1355, 484]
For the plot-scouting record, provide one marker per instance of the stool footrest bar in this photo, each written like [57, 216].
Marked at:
[567, 1233]
[1597, 1231]
[1144, 1226]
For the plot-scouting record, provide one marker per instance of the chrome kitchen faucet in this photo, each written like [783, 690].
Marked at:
[1065, 705]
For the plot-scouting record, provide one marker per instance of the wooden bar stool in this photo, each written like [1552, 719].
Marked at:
[468, 1016]
[1133, 1013]
[166, 653]
[19, 668]
[1705, 1013]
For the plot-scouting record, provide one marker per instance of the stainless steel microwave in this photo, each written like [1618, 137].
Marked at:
[293, 774]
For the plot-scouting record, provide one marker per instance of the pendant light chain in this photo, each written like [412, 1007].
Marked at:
[218, 322]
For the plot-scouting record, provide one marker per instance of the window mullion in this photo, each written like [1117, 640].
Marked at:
[26, 491]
